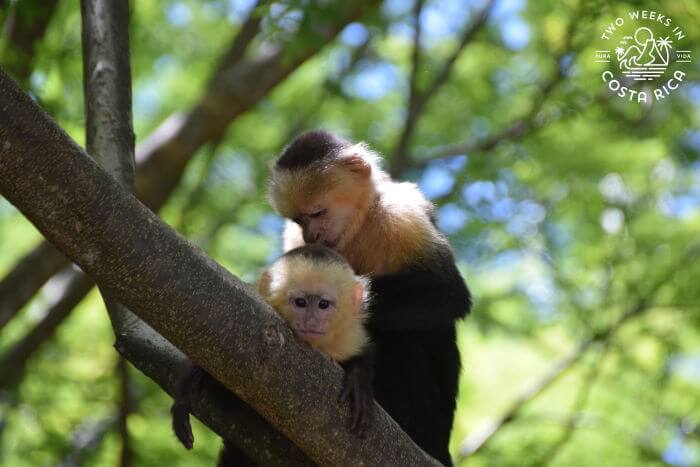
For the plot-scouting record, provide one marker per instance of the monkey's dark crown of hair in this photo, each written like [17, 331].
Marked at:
[310, 147]
[317, 253]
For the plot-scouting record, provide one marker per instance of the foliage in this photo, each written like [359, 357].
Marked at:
[560, 230]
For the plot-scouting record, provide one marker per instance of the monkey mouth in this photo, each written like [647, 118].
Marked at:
[309, 333]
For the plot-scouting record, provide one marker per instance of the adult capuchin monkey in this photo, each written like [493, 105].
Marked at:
[316, 291]
[337, 195]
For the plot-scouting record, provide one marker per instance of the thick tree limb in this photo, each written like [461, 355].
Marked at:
[110, 141]
[107, 89]
[195, 303]
[236, 86]
[162, 362]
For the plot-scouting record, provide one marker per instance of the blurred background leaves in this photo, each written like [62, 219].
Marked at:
[574, 214]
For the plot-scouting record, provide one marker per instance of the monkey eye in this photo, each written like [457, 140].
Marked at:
[317, 213]
[323, 304]
[300, 302]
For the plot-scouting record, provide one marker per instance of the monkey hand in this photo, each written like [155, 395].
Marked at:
[189, 385]
[357, 388]
[181, 424]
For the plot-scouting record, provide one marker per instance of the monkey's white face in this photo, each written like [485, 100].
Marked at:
[310, 314]
[328, 218]
[326, 225]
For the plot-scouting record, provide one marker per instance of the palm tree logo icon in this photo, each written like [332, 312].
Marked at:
[646, 58]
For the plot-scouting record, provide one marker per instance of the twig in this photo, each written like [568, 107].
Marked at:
[520, 126]
[74, 285]
[195, 196]
[86, 439]
[477, 442]
[417, 99]
[26, 278]
[24, 27]
[248, 31]
[126, 407]
[580, 403]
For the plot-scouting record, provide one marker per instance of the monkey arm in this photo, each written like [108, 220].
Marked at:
[357, 389]
[189, 385]
[428, 295]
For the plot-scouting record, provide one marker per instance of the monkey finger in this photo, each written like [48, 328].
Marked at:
[367, 412]
[182, 427]
[346, 391]
[356, 408]
[184, 434]
[364, 416]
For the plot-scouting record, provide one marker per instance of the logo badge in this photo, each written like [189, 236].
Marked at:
[646, 48]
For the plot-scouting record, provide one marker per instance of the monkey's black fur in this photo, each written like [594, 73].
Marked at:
[412, 324]
[417, 363]
[357, 380]
[310, 148]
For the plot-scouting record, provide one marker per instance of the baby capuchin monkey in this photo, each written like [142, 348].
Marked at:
[316, 291]
[322, 299]
[336, 194]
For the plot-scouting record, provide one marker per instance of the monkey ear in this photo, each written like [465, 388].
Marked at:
[357, 164]
[359, 294]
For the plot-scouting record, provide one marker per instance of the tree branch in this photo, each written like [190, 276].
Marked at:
[110, 141]
[248, 31]
[476, 443]
[416, 55]
[520, 126]
[24, 27]
[580, 403]
[162, 158]
[105, 44]
[26, 278]
[126, 408]
[108, 117]
[467, 36]
[86, 439]
[214, 404]
[194, 302]
[418, 100]
[74, 286]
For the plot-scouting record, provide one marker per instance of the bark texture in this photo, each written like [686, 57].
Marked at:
[228, 416]
[187, 297]
[237, 84]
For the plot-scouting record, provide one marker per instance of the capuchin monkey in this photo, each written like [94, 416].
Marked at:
[335, 194]
[316, 291]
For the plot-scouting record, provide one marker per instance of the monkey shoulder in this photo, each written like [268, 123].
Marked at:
[427, 293]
